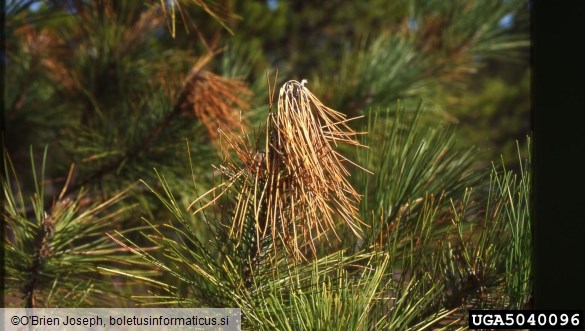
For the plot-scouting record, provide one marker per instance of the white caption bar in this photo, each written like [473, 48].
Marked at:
[118, 319]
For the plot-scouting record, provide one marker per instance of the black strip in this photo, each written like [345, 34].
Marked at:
[558, 99]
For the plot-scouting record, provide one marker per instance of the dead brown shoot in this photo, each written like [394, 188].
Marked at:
[216, 101]
[309, 175]
[296, 188]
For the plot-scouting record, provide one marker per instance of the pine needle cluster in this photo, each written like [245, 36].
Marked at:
[296, 188]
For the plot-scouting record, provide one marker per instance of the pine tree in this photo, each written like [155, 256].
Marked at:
[144, 147]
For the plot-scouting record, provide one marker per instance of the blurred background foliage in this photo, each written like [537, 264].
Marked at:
[119, 88]
[468, 61]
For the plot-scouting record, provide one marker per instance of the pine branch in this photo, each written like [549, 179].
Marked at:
[41, 251]
[144, 146]
[53, 255]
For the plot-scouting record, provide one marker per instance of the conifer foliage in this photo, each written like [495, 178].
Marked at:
[144, 164]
